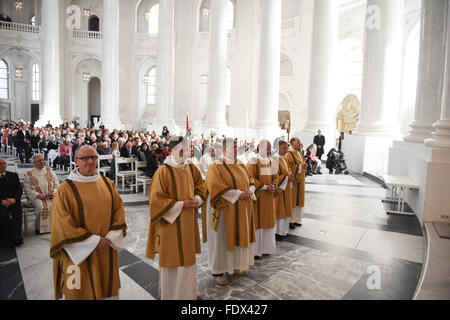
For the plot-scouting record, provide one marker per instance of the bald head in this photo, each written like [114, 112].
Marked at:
[85, 150]
[86, 158]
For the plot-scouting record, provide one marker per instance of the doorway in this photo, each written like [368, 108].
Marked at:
[94, 99]
[34, 113]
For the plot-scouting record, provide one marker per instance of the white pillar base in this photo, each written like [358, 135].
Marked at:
[420, 131]
[216, 124]
[55, 120]
[441, 138]
[112, 123]
[266, 125]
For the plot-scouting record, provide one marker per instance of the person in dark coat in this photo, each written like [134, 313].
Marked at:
[10, 195]
[152, 161]
[319, 141]
[23, 140]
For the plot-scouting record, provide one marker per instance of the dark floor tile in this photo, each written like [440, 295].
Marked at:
[11, 283]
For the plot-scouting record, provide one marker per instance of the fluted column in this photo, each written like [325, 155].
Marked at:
[322, 102]
[218, 51]
[269, 65]
[110, 66]
[441, 137]
[165, 64]
[381, 79]
[51, 64]
[431, 69]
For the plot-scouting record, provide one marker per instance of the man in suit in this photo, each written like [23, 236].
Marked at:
[319, 141]
[10, 194]
[23, 140]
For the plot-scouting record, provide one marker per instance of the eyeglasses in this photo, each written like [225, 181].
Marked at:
[88, 158]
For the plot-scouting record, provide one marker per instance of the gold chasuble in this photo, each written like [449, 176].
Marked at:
[294, 160]
[223, 176]
[179, 242]
[80, 210]
[283, 202]
[263, 173]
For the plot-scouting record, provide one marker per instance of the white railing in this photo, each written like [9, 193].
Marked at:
[146, 36]
[19, 27]
[205, 35]
[87, 34]
[288, 23]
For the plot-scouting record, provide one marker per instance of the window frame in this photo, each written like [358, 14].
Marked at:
[2, 89]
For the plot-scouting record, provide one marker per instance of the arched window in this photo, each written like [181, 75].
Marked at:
[150, 81]
[33, 20]
[94, 23]
[4, 81]
[230, 15]
[205, 16]
[36, 82]
[227, 86]
[152, 17]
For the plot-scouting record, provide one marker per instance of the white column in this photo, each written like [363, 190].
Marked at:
[431, 69]
[183, 86]
[51, 64]
[269, 65]
[381, 79]
[441, 137]
[218, 51]
[242, 89]
[165, 65]
[322, 101]
[110, 66]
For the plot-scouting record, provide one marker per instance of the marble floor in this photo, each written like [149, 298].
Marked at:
[348, 248]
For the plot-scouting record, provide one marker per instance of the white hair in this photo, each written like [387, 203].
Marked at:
[33, 158]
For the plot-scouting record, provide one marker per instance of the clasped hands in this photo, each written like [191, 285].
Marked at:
[8, 202]
[190, 204]
[43, 196]
[246, 195]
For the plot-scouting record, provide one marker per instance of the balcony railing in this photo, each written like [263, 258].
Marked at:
[19, 27]
[87, 34]
[288, 23]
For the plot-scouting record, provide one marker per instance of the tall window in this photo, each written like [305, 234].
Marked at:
[4, 83]
[230, 15]
[153, 16]
[227, 86]
[36, 82]
[151, 79]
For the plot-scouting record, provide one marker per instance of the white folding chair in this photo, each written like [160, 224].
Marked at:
[104, 170]
[124, 174]
[141, 178]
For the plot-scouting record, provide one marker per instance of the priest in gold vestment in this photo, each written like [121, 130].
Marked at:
[283, 202]
[263, 170]
[297, 164]
[176, 192]
[87, 230]
[40, 184]
[230, 220]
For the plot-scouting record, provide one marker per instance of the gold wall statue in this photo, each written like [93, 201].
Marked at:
[348, 114]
